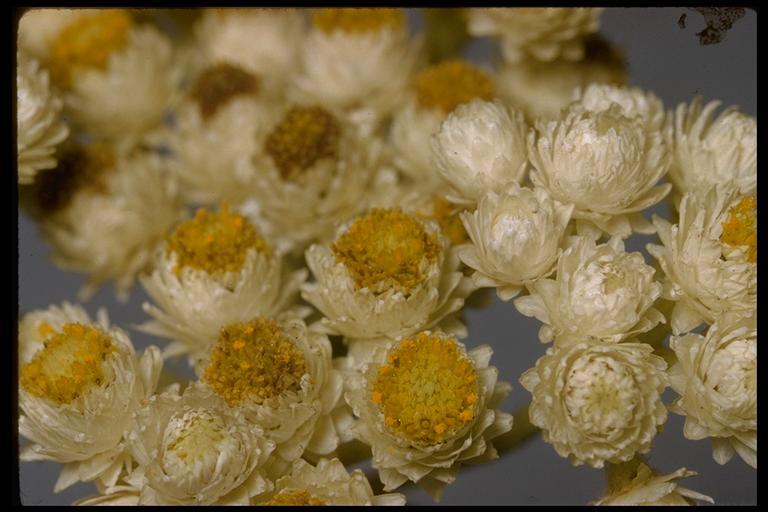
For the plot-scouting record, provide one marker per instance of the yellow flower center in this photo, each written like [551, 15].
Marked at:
[386, 249]
[254, 360]
[87, 43]
[447, 85]
[358, 21]
[295, 497]
[427, 390]
[221, 83]
[740, 228]
[304, 136]
[69, 365]
[446, 215]
[216, 243]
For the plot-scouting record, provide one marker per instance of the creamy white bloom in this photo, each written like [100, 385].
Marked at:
[544, 33]
[39, 27]
[600, 291]
[716, 378]
[38, 125]
[410, 135]
[708, 150]
[598, 402]
[605, 164]
[327, 483]
[481, 147]
[706, 276]
[516, 236]
[632, 102]
[80, 381]
[426, 405]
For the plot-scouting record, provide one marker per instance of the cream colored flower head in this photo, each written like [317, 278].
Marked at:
[598, 402]
[104, 212]
[632, 102]
[605, 164]
[481, 147]
[600, 291]
[190, 450]
[38, 125]
[387, 274]
[542, 33]
[435, 92]
[213, 270]
[79, 383]
[633, 483]
[327, 483]
[426, 405]
[356, 62]
[708, 150]
[516, 237]
[709, 257]
[716, 378]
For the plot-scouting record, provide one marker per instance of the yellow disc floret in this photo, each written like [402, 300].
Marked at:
[358, 21]
[295, 497]
[254, 360]
[69, 365]
[221, 83]
[740, 228]
[447, 216]
[447, 85]
[216, 243]
[427, 391]
[87, 43]
[386, 249]
[304, 136]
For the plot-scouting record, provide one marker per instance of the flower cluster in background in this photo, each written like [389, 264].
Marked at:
[311, 198]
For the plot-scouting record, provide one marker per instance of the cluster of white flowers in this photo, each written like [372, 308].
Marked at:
[310, 207]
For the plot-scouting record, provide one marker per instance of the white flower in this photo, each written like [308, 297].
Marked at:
[710, 150]
[38, 28]
[214, 270]
[38, 126]
[605, 164]
[387, 275]
[716, 378]
[516, 238]
[194, 451]
[480, 147]
[598, 402]
[632, 102]
[425, 406]
[328, 483]
[105, 212]
[544, 34]
[79, 383]
[709, 257]
[600, 291]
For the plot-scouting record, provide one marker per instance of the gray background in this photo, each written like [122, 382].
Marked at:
[662, 57]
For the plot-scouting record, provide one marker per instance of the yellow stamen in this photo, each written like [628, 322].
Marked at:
[294, 497]
[430, 392]
[69, 365]
[740, 228]
[221, 83]
[447, 85]
[447, 216]
[358, 21]
[256, 360]
[386, 249]
[216, 243]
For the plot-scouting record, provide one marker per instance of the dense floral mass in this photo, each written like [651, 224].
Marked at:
[312, 200]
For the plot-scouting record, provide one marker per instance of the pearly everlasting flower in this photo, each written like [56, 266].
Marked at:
[387, 275]
[214, 270]
[598, 402]
[709, 257]
[190, 450]
[708, 150]
[425, 406]
[716, 378]
[600, 291]
[38, 126]
[516, 238]
[480, 147]
[104, 212]
[38, 27]
[327, 483]
[605, 164]
[544, 34]
[79, 382]
[356, 62]
[632, 102]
